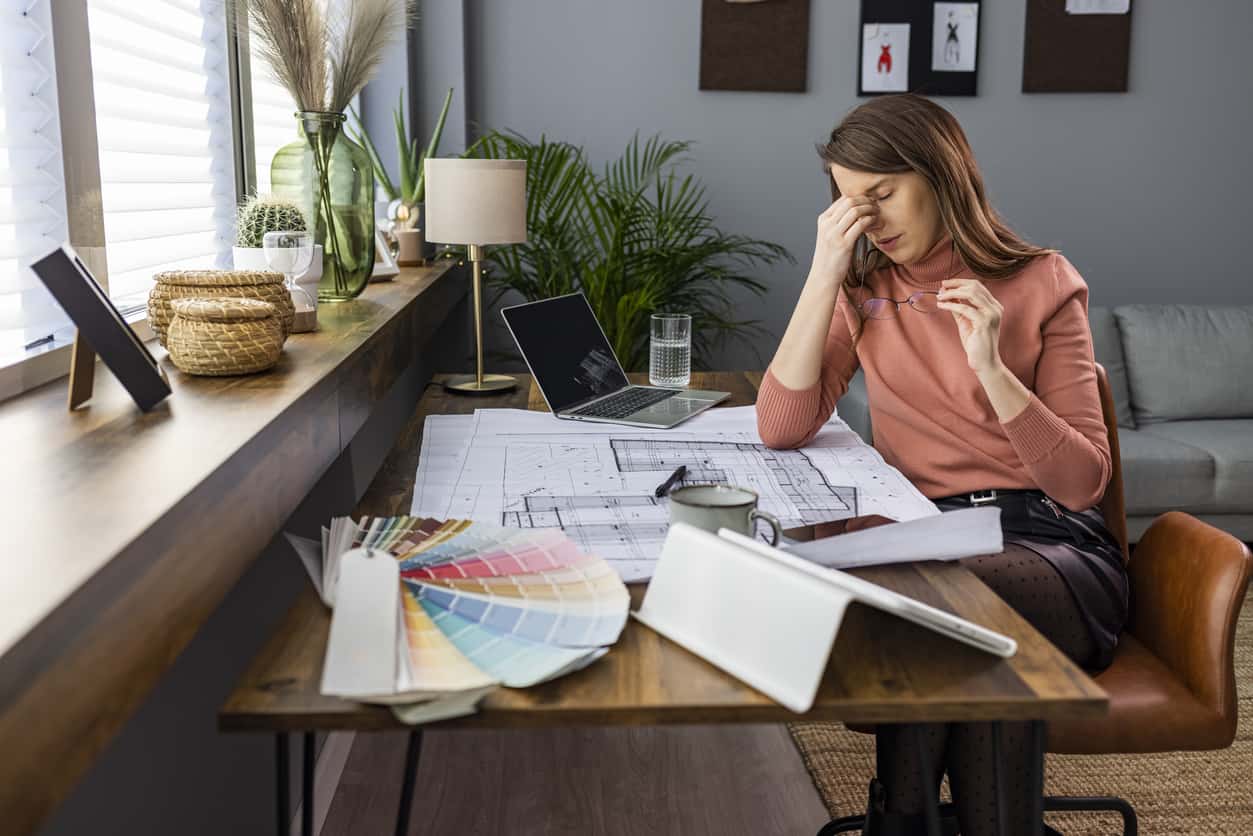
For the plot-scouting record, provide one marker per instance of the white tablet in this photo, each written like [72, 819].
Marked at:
[770, 618]
[885, 599]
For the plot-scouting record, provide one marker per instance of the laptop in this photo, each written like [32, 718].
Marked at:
[580, 376]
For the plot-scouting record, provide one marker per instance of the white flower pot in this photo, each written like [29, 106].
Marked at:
[249, 258]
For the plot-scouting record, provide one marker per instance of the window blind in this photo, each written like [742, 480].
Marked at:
[273, 117]
[32, 189]
[163, 116]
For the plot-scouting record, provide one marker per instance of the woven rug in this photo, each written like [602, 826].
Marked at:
[1196, 793]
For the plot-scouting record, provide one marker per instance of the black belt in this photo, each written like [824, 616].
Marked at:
[989, 496]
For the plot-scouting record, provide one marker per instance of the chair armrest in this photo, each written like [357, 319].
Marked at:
[1188, 582]
[854, 407]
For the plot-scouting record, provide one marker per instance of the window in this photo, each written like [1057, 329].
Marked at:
[32, 192]
[273, 118]
[163, 117]
[160, 85]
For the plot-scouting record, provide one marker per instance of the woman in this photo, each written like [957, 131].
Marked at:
[978, 364]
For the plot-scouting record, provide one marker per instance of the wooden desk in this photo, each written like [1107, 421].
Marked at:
[882, 669]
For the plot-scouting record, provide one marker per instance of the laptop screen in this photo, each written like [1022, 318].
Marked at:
[566, 349]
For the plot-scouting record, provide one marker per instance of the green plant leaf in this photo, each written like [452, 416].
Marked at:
[432, 148]
[403, 147]
[636, 239]
[360, 137]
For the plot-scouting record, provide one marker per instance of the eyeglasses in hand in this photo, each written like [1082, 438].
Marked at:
[880, 307]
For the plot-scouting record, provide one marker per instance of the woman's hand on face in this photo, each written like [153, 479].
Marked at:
[838, 230]
[978, 317]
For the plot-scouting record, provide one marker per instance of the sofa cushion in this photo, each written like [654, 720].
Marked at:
[1160, 474]
[1183, 361]
[1107, 346]
[1230, 445]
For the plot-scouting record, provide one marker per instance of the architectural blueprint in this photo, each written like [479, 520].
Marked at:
[596, 481]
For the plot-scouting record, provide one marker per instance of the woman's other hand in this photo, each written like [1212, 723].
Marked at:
[838, 230]
[978, 317]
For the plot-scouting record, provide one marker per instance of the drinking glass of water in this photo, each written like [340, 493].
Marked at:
[670, 350]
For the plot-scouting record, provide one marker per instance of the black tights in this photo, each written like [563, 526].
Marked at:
[911, 759]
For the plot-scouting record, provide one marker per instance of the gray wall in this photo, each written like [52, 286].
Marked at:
[1144, 191]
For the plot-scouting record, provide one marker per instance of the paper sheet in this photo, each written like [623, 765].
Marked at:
[528, 469]
[962, 533]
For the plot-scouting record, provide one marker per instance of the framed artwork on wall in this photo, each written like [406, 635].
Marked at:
[1076, 46]
[758, 45]
[918, 46]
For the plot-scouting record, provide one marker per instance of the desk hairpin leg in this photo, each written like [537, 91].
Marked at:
[282, 786]
[412, 752]
[282, 774]
[306, 801]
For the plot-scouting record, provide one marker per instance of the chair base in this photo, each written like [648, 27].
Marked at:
[1095, 804]
[1053, 803]
[855, 824]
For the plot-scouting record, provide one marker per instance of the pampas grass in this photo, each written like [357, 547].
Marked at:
[323, 57]
[367, 27]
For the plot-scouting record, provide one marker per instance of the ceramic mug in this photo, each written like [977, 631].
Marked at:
[711, 507]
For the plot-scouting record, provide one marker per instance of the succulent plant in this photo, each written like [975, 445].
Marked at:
[259, 215]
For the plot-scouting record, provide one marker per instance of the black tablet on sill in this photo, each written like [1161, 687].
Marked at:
[99, 322]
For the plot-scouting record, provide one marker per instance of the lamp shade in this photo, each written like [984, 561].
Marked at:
[475, 201]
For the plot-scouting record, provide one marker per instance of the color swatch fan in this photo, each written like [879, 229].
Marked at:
[478, 605]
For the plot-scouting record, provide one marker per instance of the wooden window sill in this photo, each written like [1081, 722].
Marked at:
[120, 532]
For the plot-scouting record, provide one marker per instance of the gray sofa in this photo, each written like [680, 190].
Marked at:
[1182, 380]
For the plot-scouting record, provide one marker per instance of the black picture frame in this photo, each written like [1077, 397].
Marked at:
[919, 14]
[102, 325]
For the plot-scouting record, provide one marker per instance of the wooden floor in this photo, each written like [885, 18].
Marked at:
[688, 780]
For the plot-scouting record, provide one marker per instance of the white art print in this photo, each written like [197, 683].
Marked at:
[885, 58]
[955, 33]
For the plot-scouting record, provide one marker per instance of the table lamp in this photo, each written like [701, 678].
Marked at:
[476, 203]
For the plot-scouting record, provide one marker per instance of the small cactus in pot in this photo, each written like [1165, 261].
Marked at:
[257, 216]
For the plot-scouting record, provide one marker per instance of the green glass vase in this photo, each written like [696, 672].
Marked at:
[330, 177]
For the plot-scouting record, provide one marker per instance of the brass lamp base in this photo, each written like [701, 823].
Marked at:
[478, 383]
[467, 384]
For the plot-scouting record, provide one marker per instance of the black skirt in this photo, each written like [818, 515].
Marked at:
[1079, 546]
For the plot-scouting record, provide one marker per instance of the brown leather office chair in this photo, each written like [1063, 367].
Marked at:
[1172, 684]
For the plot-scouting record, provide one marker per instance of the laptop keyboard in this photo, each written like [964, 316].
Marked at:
[624, 403]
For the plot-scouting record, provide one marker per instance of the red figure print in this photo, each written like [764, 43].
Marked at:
[885, 59]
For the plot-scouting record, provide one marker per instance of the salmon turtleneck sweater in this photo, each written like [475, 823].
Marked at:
[932, 419]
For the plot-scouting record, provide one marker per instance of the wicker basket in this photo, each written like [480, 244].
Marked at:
[209, 284]
[224, 336]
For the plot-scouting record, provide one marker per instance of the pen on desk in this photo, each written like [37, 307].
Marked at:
[665, 486]
[41, 341]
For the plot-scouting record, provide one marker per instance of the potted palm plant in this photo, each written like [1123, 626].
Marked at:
[636, 238]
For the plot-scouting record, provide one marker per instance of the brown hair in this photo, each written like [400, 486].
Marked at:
[907, 132]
